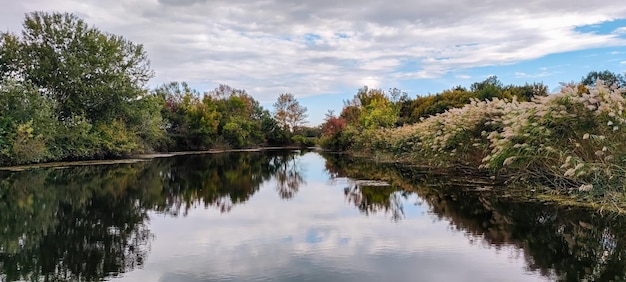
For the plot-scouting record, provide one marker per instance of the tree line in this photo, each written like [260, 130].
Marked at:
[373, 109]
[69, 91]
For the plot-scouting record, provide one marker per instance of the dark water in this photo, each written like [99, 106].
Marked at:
[290, 216]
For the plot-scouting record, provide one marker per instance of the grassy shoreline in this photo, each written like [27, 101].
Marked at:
[138, 158]
[569, 143]
[519, 189]
[482, 181]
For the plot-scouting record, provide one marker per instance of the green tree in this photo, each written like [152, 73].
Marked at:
[609, 78]
[241, 119]
[526, 92]
[274, 135]
[27, 122]
[175, 100]
[426, 106]
[94, 83]
[488, 88]
[9, 47]
[224, 116]
[288, 112]
[376, 109]
[88, 72]
[191, 122]
[379, 113]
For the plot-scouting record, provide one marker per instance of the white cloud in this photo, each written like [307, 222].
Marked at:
[543, 73]
[620, 30]
[275, 46]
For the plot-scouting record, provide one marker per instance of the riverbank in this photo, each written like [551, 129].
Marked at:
[569, 143]
[474, 180]
[142, 157]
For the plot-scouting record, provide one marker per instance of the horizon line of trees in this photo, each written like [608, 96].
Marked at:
[69, 91]
[569, 143]
[372, 109]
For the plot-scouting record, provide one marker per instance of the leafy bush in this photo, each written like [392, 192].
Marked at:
[74, 140]
[341, 140]
[26, 119]
[303, 141]
[116, 140]
[28, 147]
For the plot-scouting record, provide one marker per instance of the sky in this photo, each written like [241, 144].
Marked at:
[323, 51]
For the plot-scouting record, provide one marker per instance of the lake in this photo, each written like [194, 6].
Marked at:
[291, 216]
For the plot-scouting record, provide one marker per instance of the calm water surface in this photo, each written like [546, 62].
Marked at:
[289, 216]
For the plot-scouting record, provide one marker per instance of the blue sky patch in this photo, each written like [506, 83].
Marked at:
[311, 38]
[605, 28]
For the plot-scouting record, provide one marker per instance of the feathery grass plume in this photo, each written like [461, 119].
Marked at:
[570, 138]
[561, 128]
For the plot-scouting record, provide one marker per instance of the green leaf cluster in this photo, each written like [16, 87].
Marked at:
[71, 91]
[222, 118]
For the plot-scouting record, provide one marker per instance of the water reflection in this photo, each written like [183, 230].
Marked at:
[92, 223]
[365, 193]
[373, 199]
[89, 222]
[221, 181]
[288, 175]
[55, 229]
[562, 243]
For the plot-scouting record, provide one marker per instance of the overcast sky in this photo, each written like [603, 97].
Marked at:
[322, 51]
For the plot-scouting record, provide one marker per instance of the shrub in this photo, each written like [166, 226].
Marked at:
[28, 147]
[572, 139]
[303, 141]
[116, 140]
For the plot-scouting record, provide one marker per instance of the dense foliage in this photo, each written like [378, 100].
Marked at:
[373, 109]
[69, 91]
[223, 117]
[571, 140]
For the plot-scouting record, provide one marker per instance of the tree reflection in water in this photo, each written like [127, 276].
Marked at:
[288, 174]
[87, 223]
[378, 198]
[562, 243]
[370, 197]
[82, 225]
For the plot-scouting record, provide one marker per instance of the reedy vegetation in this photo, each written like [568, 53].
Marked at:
[572, 140]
